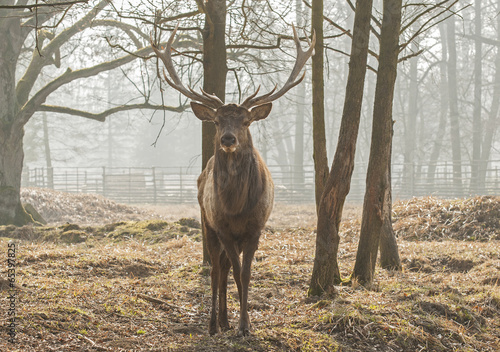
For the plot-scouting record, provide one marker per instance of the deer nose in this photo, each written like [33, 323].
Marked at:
[228, 140]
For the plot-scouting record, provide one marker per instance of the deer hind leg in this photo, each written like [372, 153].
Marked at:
[225, 265]
[248, 253]
[215, 250]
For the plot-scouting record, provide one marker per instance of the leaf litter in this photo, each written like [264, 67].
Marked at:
[137, 284]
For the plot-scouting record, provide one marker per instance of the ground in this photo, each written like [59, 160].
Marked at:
[121, 278]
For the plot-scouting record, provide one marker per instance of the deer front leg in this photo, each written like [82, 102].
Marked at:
[215, 250]
[225, 265]
[248, 253]
[234, 257]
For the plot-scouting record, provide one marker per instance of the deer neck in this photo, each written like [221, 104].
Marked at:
[238, 179]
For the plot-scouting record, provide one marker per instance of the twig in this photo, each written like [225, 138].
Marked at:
[160, 301]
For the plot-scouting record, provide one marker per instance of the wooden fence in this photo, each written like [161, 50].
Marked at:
[175, 185]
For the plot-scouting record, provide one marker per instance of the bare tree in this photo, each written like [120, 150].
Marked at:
[378, 182]
[326, 271]
[20, 100]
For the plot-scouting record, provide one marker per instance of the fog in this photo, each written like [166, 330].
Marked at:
[166, 143]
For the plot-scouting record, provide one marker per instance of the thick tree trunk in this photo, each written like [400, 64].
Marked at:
[453, 99]
[11, 167]
[378, 183]
[318, 104]
[214, 66]
[11, 131]
[214, 73]
[326, 271]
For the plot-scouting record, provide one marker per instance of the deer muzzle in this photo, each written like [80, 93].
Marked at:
[228, 142]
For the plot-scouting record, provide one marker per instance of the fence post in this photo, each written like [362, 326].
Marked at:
[496, 178]
[104, 181]
[25, 179]
[412, 179]
[180, 186]
[153, 170]
[129, 185]
[50, 177]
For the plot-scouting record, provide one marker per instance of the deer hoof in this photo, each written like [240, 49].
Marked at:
[243, 332]
[212, 329]
[225, 327]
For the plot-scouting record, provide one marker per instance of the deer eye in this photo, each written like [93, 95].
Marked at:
[216, 123]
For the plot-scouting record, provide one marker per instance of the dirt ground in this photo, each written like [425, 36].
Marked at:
[131, 280]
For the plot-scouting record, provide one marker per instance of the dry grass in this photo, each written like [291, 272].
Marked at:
[95, 295]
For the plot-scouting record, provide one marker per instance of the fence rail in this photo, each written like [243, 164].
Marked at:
[175, 185]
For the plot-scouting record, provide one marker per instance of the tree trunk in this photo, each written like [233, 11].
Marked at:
[48, 156]
[214, 73]
[493, 121]
[476, 117]
[453, 99]
[318, 104]
[443, 83]
[11, 132]
[411, 127]
[389, 253]
[298, 160]
[378, 183]
[326, 271]
[214, 66]
[11, 167]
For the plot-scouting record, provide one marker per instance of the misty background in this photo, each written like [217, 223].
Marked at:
[146, 149]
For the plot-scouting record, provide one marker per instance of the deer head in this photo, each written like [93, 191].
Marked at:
[232, 120]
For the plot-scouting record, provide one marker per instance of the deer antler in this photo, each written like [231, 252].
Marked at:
[165, 55]
[302, 57]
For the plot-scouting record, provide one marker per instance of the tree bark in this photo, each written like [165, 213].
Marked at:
[318, 104]
[326, 271]
[378, 183]
[453, 99]
[11, 166]
[214, 74]
[389, 252]
[11, 131]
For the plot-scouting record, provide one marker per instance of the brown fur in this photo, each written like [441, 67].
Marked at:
[236, 195]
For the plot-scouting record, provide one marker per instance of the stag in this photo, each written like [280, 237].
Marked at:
[235, 190]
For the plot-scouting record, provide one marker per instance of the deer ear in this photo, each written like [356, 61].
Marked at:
[261, 112]
[203, 112]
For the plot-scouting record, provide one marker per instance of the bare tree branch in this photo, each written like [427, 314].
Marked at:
[39, 98]
[31, 74]
[102, 115]
[428, 24]
[38, 5]
[482, 39]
